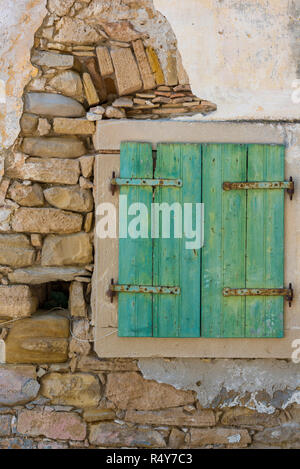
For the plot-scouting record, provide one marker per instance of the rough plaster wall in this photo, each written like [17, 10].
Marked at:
[19, 20]
[241, 55]
[230, 382]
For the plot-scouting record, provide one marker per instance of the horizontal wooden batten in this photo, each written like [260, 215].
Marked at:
[146, 182]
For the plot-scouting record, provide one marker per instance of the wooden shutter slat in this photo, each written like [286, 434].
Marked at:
[135, 259]
[223, 256]
[265, 247]
[173, 264]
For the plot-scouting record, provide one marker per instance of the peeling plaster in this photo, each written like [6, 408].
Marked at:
[263, 385]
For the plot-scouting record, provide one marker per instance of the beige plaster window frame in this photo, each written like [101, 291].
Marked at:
[105, 314]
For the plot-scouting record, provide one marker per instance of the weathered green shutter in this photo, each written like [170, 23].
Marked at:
[160, 262]
[243, 243]
[243, 247]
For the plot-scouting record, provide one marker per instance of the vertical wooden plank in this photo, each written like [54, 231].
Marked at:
[135, 255]
[265, 241]
[173, 263]
[223, 256]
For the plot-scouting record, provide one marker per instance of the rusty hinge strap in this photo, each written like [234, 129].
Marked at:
[288, 293]
[146, 182]
[287, 185]
[114, 289]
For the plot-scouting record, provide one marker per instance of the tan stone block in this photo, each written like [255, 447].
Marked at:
[171, 71]
[44, 127]
[54, 425]
[67, 250]
[36, 240]
[126, 70]
[155, 66]
[90, 90]
[80, 344]
[51, 104]
[68, 82]
[132, 391]
[16, 250]
[39, 339]
[4, 185]
[29, 123]
[115, 113]
[87, 165]
[51, 59]
[144, 66]
[77, 389]
[70, 198]
[67, 126]
[77, 305]
[121, 31]
[50, 170]
[39, 275]
[114, 365]
[88, 221]
[230, 437]
[177, 417]
[98, 81]
[98, 415]
[104, 60]
[240, 416]
[53, 147]
[18, 384]
[46, 220]
[26, 195]
[75, 31]
[17, 301]
[114, 435]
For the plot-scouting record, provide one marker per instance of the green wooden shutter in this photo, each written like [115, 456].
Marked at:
[243, 243]
[243, 247]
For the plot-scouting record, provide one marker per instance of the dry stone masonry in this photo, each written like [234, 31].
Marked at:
[93, 60]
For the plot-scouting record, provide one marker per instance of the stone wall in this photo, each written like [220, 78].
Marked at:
[94, 60]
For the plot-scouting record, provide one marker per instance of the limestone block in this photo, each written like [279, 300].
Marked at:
[77, 305]
[80, 343]
[40, 275]
[114, 365]
[144, 66]
[67, 250]
[60, 8]
[132, 391]
[98, 415]
[90, 90]
[77, 389]
[113, 434]
[55, 425]
[70, 198]
[155, 66]
[64, 125]
[115, 113]
[231, 437]
[5, 425]
[36, 240]
[46, 220]
[121, 31]
[242, 416]
[51, 170]
[104, 61]
[29, 123]
[44, 127]
[126, 70]
[69, 83]
[17, 301]
[123, 102]
[18, 384]
[16, 250]
[98, 81]
[26, 195]
[49, 104]
[176, 438]
[287, 434]
[52, 59]
[53, 147]
[75, 31]
[87, 166]
[174, 417]
[39, 339]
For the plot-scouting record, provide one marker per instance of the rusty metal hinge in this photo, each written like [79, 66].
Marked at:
[116, 182]
[288, 293]
[114, 289]
[286, 185]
